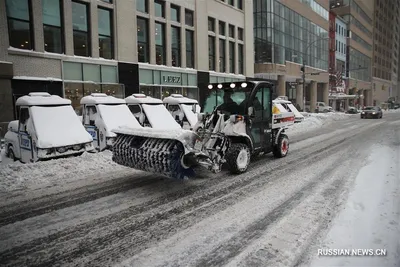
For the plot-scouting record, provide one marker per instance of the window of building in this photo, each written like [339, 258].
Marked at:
[81, 29]
[142, 6]
[211, 24]
[240, 4]
[231, 57]
[240, 34]
[176, 46]
[106, 44]
[221, 27]
[19, 24]
[159, 8]
[232, 2]
[211, 53]
[107, 1]
[175, 13]
[231, 31]
[240, 59]
[160, 44]
[52, 26]
[143, 40]
[189, 49]
[222, 65]
[189, 18]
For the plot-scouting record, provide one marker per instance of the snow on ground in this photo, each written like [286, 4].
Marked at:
[313, 121]
[15, 175]
[370, 219]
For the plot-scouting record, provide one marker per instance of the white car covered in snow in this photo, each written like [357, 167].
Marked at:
[151, 112]
[102, 114]
[183, 109]
[298, 117]
[47, 128]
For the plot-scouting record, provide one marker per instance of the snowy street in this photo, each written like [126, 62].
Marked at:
[338, 188]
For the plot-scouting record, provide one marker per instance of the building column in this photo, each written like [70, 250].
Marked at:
[299, 94]
[313, 96]
[281, 85]
[38, 34]
[325, 93]
[94, 30]
[168, 35]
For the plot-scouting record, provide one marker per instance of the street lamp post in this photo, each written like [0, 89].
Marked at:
[303, 69]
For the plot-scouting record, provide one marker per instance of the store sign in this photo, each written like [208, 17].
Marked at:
[172, 79]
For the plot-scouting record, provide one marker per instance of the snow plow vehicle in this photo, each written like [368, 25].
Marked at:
[183, 109]
[103, 113]
[48, 127]
[237, 124]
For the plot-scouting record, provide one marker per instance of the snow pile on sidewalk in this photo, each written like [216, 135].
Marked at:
[316, 120]
[16, 175]
[391, 110]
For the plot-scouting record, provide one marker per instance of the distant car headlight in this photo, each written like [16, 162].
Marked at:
[362, 112]
[373, 113]
[61, 149]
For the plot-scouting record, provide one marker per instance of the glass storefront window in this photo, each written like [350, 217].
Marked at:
[153, 91]
[167, 91]
[109, 74]
[192, 93]
[90, 88]
[74, 92]
[116, 90]
[72, 71]
[91, 72]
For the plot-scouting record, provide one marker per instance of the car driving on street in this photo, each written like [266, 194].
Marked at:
[371, 112]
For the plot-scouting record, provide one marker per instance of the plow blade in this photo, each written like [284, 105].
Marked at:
[153, 151]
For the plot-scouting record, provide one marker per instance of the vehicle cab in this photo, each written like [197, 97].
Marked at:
[151, 112]
[47, 128]
[102, 114]
[184, 110]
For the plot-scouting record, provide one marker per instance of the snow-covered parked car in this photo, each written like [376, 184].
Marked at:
[47, 128]
[151, 112]
[298, 117]
[183, 109]
[102, 114]
[320, 107]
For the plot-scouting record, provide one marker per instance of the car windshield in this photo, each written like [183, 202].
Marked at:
[231, 101]
[369, 108]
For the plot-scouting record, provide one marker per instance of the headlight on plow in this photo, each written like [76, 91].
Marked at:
[61, 149]
[76, 147]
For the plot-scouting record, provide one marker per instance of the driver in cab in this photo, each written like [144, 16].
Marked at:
[229, 105]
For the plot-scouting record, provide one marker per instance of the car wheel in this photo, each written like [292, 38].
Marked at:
[11, 154]
[281, 149]
[238, 158]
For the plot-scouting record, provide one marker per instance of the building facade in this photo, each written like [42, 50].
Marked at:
[73, 48]
[286, 33]
[386, 49]
[358, 15]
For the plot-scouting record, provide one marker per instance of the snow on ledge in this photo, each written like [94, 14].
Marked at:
[37, 78]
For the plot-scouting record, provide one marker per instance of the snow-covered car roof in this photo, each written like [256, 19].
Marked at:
[278, 101]
[176, 99]
[100, 98]
[41, 99]
[142, 99]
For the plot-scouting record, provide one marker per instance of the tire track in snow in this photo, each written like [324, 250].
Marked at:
[224, 253]
[37, 245]
[38, 206]
[98, 241]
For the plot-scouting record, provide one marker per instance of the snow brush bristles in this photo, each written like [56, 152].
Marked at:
[159, 156]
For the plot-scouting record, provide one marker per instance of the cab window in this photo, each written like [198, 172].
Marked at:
[23, 119]
[262, 103]
[90, 115]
